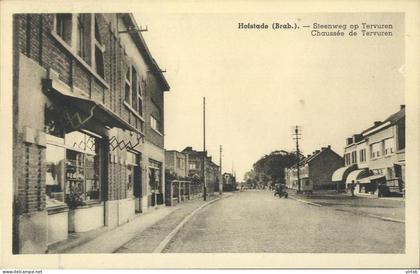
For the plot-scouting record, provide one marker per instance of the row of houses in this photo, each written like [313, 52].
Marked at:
[376, 156]
[373, 157]
[184, 170]
[315, 170]
[88, 126]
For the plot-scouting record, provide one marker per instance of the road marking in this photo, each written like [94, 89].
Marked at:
[306, 202]
[169, 237]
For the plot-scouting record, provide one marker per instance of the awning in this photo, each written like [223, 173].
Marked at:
[376, 177]
[341, 173]
[357, 175]
[368, 180]
[83, 109]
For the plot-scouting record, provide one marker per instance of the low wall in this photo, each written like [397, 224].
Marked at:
[86, 218]
[58, 225]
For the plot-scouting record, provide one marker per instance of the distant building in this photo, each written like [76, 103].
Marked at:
[177, 163]
[315, 170]
[195, 168]
[229, 181]
[377, 155]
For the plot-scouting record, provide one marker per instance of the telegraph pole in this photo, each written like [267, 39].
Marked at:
[296, 136]
[220, 175]
[204, 150]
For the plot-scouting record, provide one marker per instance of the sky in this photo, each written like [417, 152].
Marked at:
[258, 84]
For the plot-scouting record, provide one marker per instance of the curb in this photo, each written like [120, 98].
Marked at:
[172, 234]
[387, 219]
[306, 202]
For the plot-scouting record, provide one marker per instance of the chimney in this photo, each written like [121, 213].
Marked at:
[377, 123]
[329, 146]
[402, 107]
[309, 155]
[349, 141]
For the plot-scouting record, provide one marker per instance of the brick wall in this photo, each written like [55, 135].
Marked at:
[154, 95]
[30, 171]
[36, 42]
[34, 39]
[322, 167]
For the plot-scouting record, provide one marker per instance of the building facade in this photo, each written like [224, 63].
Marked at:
[229, 182]
[176, 162]
[178, 185]
[195, 169]
[88, 126]
[315, 170]
[378, 155]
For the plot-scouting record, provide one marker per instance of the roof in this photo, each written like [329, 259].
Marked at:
[138, 39]
[312, 157]
[396, 116]
[191, 151]
[391, 120]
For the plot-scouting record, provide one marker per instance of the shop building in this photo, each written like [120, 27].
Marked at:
[87, 126]
[315, 170]
[377, 156]
[355, 163]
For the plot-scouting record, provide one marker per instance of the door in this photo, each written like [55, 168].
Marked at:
[137, 186]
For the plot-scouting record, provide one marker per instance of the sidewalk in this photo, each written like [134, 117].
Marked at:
[385, 208]
[151, 239]
[106, 240]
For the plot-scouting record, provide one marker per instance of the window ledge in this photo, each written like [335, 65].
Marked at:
[56, 208]
[68, 48]
[157, 131]
[89, 204]
[133, 111]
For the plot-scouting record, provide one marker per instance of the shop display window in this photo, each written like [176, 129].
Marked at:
[72, 169]
[155, 178]
[132, 176]
[82, 169]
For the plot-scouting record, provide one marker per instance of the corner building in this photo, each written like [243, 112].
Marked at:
[88, 127]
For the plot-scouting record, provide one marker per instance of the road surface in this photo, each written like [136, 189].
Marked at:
[255, 221]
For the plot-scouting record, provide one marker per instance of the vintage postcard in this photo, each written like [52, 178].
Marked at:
[199, 134]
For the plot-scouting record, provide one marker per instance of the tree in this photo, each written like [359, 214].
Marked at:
[269, 169]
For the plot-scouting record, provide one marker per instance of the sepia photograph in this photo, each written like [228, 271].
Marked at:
[151, 130]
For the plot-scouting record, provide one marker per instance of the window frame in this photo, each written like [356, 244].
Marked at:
[88, 61]
[388, 150]
[61, 142]
[376, 153]
[362, 155]
[138, 109]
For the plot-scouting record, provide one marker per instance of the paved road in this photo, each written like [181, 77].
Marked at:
[255, 221]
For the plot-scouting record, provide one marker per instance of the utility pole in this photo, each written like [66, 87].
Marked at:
[204, 150]
[220, 175]
[296, 136]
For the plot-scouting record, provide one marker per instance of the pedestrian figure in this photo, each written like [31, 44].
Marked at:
[352, 187]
